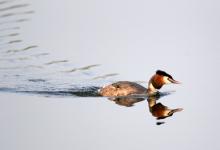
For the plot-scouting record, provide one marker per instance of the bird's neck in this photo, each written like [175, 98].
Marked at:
[151, 102]
[151, 89]
[155, 83]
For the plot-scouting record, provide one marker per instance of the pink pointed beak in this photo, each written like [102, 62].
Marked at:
[174, 81]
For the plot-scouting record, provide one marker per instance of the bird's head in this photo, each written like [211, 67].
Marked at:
[161, 78]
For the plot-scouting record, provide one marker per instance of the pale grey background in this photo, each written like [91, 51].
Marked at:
[132, 38]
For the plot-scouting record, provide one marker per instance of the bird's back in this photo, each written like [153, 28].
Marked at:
[122, 88]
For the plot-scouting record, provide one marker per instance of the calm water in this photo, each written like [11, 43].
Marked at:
[55, 54]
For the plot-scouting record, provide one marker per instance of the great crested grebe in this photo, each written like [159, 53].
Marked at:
[125, 88]
[159, 110]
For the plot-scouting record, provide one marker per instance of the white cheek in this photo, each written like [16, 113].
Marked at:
[165, 80]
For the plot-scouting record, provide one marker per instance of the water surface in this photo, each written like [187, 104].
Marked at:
[55, 55]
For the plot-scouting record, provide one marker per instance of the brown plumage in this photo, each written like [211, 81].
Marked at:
[124, 88]
[126, 101]
[159, 110]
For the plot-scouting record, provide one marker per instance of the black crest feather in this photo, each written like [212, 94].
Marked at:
[163, 73]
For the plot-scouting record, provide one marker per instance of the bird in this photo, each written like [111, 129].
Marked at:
[126, 88]
[126, 101]
[159, 110]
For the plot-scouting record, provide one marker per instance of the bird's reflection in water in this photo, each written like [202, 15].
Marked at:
[157, 109]
[126, 101]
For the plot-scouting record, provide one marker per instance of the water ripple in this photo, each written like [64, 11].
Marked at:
[56, 62]
[21, 50]
[13, 7]
[24, 67]
[14, 14]
[105, 76]
[82, 68]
